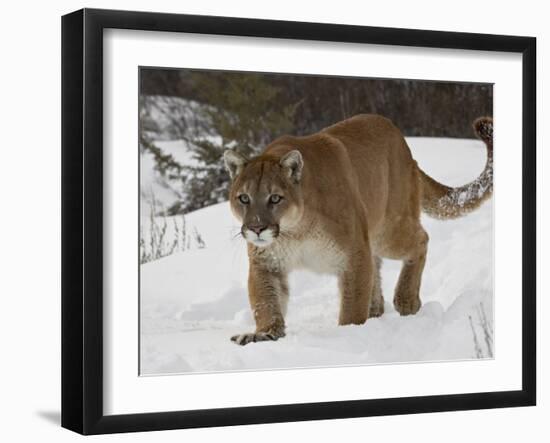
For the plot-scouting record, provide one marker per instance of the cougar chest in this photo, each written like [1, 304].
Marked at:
[317, 253]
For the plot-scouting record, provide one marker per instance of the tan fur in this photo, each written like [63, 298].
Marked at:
[351, 194]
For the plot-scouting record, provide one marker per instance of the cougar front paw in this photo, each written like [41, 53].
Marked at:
[253, 337]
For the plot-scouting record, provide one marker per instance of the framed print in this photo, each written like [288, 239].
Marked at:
[270, 221]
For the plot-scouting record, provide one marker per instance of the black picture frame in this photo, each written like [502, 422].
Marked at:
[82, 221]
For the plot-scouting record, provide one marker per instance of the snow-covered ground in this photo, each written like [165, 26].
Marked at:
[193, 301]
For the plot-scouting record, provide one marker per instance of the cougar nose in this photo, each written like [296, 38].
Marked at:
[257, 228]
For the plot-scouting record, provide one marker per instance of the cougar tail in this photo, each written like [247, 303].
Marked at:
[443, 202]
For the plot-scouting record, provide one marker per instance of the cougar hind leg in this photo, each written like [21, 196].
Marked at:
[407, 292]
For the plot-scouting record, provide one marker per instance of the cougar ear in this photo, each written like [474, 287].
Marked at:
[234, 162]
[293, 163]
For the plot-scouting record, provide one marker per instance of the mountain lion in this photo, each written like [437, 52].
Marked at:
[337, 202]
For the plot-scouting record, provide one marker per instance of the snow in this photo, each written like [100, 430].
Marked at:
[193, 301]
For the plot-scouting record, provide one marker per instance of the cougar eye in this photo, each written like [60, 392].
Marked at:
[275, 198]
[244, 199]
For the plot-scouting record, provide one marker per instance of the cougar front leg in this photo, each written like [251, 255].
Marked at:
[356, 287]
[266, 291]
[377, 300]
